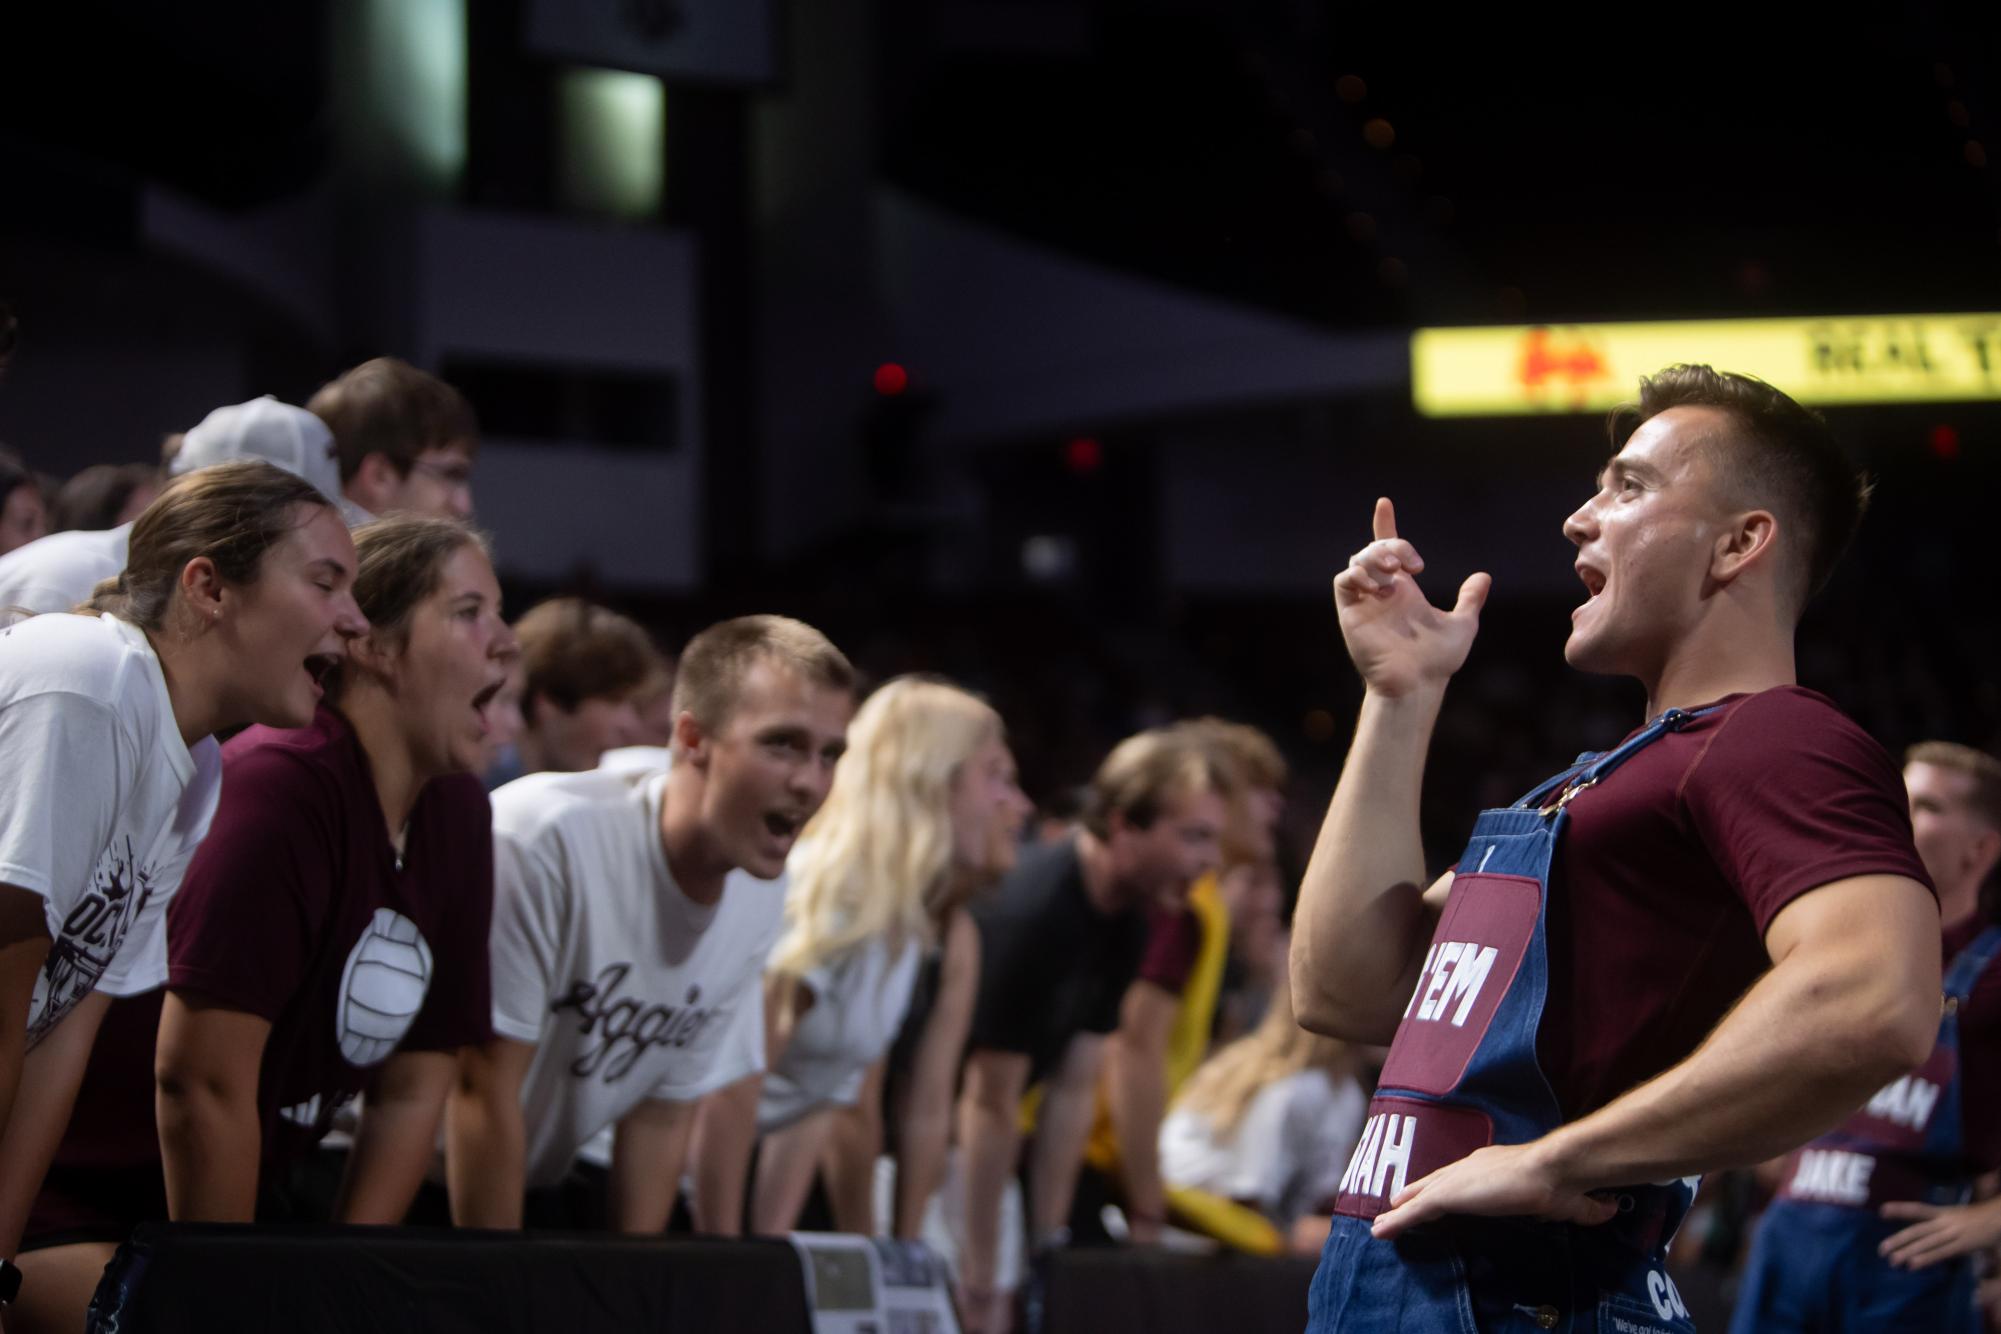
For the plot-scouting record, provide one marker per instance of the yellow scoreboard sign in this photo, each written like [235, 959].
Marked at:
[1591, 367]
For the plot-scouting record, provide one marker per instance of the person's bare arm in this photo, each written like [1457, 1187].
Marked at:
[1363, 922]
[989, 1143]
[486, 1139]
[1851, 1002]
[726, 1121]
[398, 1137]
[847, 1159]
[24, 945]
[725, 1132]
[787, 1158]
[1069, 1097]
[211, 1138]
[647, 1155]
[50, 1076]
[924, 1121]
[1136, 1078]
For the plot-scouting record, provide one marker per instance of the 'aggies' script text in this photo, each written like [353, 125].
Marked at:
[625, 1027]
[1454, 972]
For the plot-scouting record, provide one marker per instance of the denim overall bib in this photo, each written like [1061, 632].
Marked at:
[1814, 1264]
[1463, 1073]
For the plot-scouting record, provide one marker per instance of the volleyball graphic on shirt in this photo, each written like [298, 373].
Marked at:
[382, 988]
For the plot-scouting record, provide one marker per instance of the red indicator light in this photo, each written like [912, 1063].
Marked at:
[1084, 454]
[891, 379]
[1945, 442]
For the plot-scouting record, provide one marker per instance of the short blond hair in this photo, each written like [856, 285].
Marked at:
[1148, 770]
[716, 662]
[1982, 768]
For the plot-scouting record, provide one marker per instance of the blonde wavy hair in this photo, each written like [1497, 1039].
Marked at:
[877, 860]
[1223, 1087]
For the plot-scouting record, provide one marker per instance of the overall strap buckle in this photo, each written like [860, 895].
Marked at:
[1570, 791]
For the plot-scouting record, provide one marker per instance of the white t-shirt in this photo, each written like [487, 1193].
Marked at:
[1288, 1153]
[858, 1004]
[101, 803]
[628, 989]
[56, 572]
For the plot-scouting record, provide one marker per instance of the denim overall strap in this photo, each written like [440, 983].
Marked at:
[1971, 962]
[1945, 1139]
[1591, 770]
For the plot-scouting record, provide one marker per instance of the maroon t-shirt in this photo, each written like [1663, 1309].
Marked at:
[1979, 1052]
[296, 909]
[1672, 869]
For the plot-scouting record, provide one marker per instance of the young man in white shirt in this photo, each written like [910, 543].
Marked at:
[630, 929]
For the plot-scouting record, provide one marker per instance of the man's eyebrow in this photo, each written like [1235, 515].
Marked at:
[330, 563]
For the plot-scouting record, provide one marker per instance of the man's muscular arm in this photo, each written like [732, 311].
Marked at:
[1362, 925]
[1851, 1002]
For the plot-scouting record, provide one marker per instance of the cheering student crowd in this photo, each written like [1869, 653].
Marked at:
[326, 892]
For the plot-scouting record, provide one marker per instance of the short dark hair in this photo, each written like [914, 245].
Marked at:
[389, 407]
[1784, 458]
[94, 497]
[573, 650]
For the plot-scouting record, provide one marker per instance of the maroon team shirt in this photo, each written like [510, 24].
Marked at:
[295, 909]
[1673, 868]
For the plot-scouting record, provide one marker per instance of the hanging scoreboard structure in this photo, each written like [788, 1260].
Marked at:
[1591, 367]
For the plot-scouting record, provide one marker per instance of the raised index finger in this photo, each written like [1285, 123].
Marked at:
[1385, 518]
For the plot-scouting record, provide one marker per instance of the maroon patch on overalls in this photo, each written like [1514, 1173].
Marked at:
[1899, 1116]
[1482, 937]
[1402, 1141]
[1854, 1178]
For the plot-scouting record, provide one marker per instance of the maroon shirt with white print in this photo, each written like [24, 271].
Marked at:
[297, 909]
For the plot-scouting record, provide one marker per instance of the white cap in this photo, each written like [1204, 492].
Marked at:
[264, 428]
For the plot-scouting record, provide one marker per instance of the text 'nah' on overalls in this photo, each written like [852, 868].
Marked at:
[1463, 1073]
[1813, 1263]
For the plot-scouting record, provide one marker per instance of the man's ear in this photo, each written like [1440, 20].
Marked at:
[1116, 824]
[1750, 538]
[1987, 852]
[375, 481]
[691, 743]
